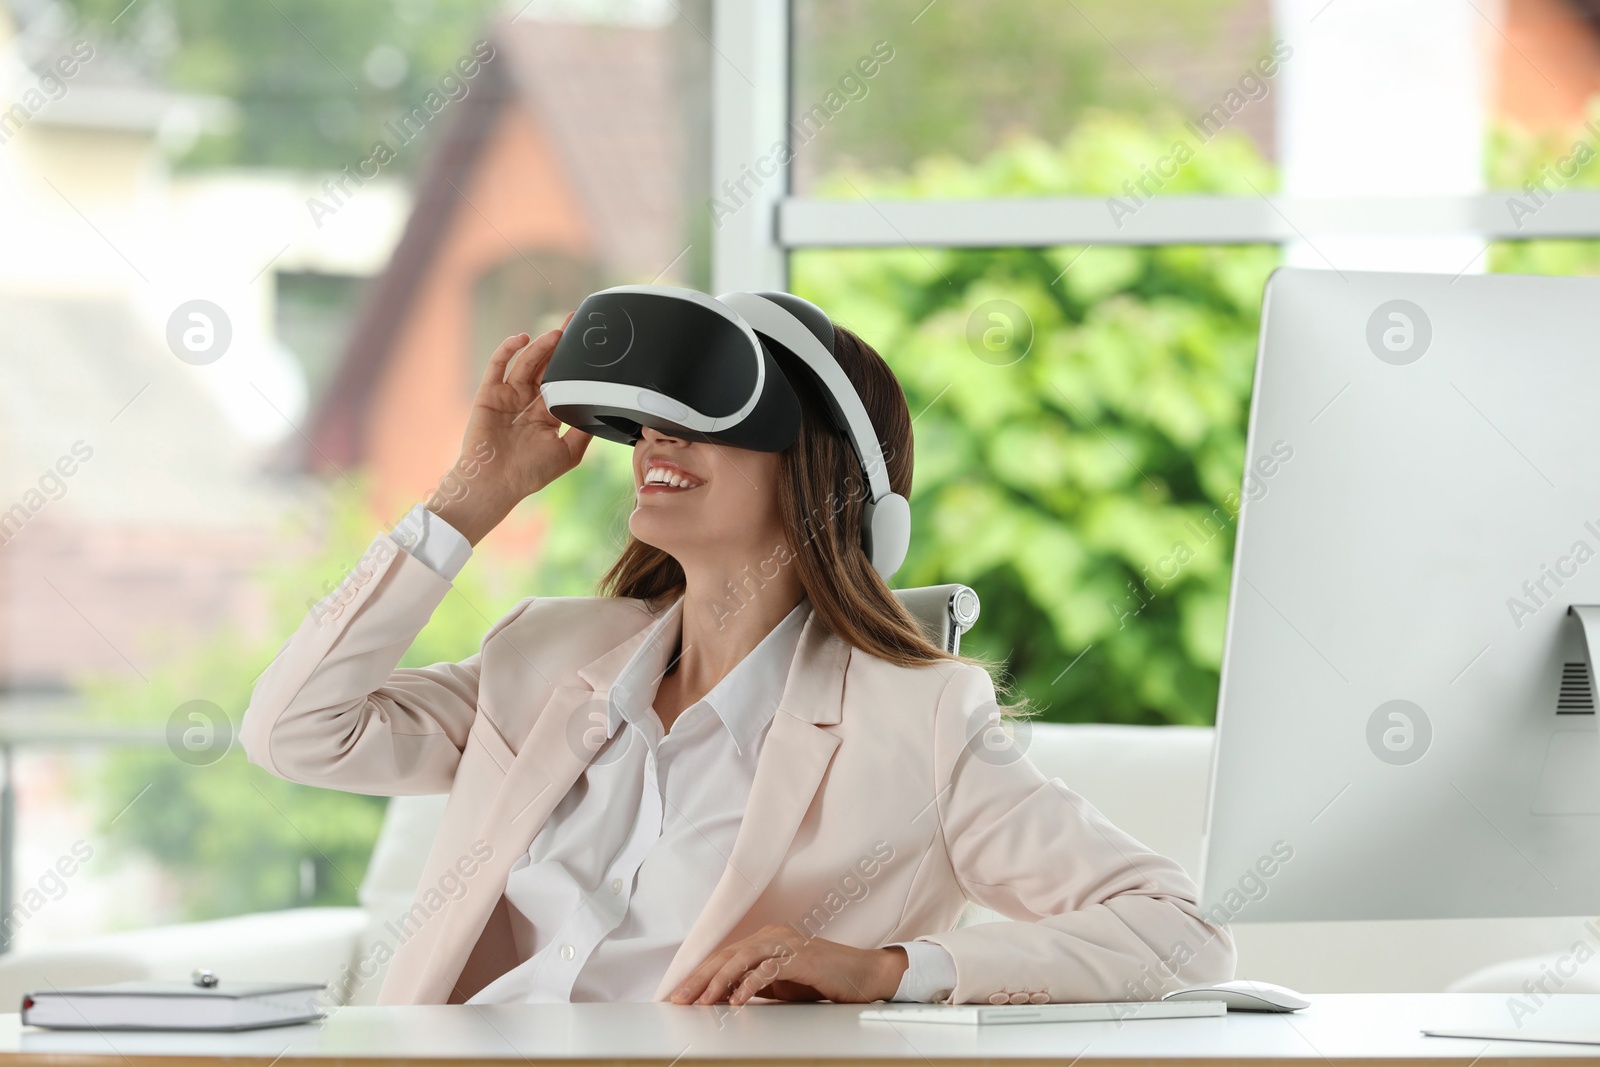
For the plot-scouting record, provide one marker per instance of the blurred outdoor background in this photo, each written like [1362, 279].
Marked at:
[363, 219]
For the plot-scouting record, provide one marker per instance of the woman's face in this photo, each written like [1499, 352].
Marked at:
[718, 508]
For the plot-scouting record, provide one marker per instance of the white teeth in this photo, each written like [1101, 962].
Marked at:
[662, 476]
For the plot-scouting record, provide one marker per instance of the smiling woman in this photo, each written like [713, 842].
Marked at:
[683, 782]
[803, 507]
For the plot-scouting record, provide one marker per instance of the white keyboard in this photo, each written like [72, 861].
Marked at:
[985, 1014]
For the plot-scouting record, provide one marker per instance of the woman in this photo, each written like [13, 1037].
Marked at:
[741, 772]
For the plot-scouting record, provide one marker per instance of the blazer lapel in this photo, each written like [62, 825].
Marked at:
[794, 759]
[566, 735]
[552, 756]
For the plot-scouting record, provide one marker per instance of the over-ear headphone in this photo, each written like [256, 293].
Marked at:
[806, 332]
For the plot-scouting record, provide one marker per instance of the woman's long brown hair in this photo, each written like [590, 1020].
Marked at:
[821, 498]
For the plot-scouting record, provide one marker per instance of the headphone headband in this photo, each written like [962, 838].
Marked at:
[886, 517]
[769, 318]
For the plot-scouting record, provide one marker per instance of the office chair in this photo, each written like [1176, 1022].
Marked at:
[945, 612]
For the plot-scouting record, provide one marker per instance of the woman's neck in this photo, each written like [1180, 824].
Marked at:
[719, 629]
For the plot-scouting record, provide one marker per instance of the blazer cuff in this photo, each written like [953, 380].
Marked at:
[431, 540]
[930, 975]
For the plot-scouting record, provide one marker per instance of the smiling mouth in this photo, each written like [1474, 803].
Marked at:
[665, 480]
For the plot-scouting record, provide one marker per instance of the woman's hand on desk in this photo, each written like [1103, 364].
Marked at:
[779, 963]
[512, 446]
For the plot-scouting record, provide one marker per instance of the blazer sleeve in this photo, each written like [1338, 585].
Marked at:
[1094, 915]
[334, 710]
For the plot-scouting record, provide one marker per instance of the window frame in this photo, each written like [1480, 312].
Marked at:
[751, 87]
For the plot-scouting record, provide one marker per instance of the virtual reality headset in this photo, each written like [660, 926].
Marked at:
[716, 369]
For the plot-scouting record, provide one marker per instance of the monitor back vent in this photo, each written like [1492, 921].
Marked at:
[1577, 692]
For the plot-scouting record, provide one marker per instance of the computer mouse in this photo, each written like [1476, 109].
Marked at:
[1245, 996]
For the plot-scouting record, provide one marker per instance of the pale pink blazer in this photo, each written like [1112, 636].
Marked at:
[870, 819]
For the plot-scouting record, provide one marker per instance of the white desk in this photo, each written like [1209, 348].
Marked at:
[1346, 1028]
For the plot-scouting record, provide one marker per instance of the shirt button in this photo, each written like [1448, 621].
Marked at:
[616, 886]
[999, 998]
[567, 952]
[1019, 998]
[1040, 998]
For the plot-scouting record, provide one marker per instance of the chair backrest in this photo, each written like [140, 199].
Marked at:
[945, 612]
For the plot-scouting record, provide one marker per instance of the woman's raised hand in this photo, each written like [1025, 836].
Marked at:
[512, 446]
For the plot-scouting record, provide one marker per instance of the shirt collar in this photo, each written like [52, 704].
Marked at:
[745, 699]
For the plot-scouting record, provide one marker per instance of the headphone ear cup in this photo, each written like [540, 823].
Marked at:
[887, 533]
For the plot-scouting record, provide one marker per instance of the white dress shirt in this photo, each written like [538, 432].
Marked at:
[620, 871]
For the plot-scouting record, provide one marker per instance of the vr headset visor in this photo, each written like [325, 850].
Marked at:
[675, 360]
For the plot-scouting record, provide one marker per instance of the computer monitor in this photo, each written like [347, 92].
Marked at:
[1406, 721]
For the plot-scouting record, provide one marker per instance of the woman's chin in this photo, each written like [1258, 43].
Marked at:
[651, 531]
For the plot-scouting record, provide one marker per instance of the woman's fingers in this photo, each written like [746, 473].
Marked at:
[764, 974]
[756, 961]
[527, 372]
[545, 353]
[695, 982]
[730, 974]
[748, 965]
[717, 978]
[779, 963]
[495, 372]
[577, 442]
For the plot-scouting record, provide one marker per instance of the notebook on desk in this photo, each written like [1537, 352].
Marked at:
[990, 1014]
[153, 1005]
